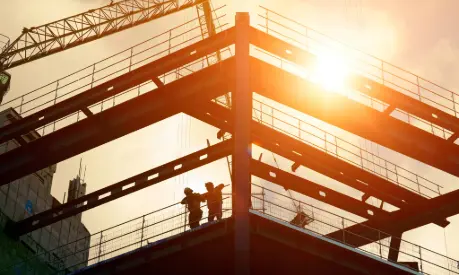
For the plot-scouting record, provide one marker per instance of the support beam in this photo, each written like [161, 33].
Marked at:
[242, 115]
[118, 85]
[122, 188]
[340, 111]
[314, 190]
[365, 85]
[395, 242]
[118, 121]
[317, 160]
[309, 156]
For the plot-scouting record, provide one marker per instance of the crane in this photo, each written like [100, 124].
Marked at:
[38, 42]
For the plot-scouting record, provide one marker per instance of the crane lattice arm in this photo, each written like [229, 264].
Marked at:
[38, 42]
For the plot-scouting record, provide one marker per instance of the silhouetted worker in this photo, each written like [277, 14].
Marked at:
[214, 201]
[193, 202]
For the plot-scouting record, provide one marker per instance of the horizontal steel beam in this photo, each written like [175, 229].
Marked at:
[317, 160]
[116, 122]
[406, 103]
[118, 85]
[400, 221]
[376, 90]
[314, 190]
[311, 157]
[122, 188]
[297, 93]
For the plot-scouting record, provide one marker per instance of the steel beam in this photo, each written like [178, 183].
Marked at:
[376, 90]
[406, 103]
[122, 188]
[242, 154]
[310, 156]
[315, 159]
[402, 220]
[314, 190]
[394, 249]
[118, 85]
[349, 115]
[116, 122]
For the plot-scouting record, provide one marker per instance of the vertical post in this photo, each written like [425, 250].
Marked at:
[242, 113]
[143, 226]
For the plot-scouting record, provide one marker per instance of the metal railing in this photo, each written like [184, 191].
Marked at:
[342, 149]
[112, 67]
[170, 221]
[279, 206]
[365, 65]
[115, 241]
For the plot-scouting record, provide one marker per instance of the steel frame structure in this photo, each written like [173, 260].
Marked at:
[96, 94]
[38, 42]
[122, 188]
[193, 94]
[402, 137]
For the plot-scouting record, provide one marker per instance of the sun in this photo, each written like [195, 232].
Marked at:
[331, 71]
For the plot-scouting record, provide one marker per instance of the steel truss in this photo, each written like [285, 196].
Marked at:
[38, 42]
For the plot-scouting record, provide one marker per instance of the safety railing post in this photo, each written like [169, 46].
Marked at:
[55, 92]
[20, 106]
[93, 74]
[100, 246]
[130, 59]
[299, 129]
[344, 231]
[170, 42]
[379, 241]
[141, 234]
[420, 257]
[185, 219]
[419, 88]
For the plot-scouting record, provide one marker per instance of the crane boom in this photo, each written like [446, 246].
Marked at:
[38, 42]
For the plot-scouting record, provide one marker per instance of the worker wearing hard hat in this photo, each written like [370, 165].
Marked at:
[214, 201]
[193, 202]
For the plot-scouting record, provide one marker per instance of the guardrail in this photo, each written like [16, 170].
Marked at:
[111, 67]
[342, 149]
[366, 65]
[280, 207]
[172, 220]
[114, 241]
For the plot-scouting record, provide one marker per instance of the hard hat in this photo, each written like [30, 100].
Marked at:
[209, 184]
[188, 191]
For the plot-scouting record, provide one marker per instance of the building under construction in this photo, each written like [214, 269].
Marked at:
[241, 78]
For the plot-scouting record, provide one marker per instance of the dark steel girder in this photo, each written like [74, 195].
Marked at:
[312, 189]
[122, 188]
[402, 220]
[117, 85]
[309, 156]
[381, 92]
[116, 122]
[349, 115]
[313, 158]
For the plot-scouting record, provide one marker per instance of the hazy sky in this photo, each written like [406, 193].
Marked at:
[418, 35]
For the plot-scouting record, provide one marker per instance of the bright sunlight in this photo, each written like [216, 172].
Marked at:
[331, 71]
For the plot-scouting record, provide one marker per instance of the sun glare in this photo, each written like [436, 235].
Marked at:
[330, 72]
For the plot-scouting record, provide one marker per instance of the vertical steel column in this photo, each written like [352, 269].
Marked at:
[242, 114]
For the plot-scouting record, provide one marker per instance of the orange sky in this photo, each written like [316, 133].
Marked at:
[418, 35]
